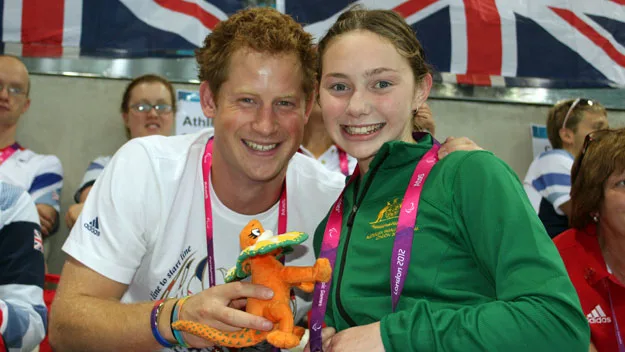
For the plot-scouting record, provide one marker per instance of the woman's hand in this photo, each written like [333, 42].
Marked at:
[453, 144]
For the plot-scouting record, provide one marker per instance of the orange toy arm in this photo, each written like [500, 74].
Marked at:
[321, 271]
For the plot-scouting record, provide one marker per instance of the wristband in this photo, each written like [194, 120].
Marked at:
[175, 315]
[158, 306]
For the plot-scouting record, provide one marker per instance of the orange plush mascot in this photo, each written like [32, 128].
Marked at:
[259, 258]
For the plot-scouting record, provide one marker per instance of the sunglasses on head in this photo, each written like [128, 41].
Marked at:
[593, 137]
[577, 102]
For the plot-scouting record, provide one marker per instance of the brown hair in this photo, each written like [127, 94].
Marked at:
[385, 23]
[261, 29]
[602, 156]
[149, 78]
[557, 113]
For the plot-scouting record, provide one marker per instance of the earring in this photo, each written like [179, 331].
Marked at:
[595, 218]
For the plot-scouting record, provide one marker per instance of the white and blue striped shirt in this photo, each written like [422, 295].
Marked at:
[40, 175]
[94, 170]
[23, 314]
[548, 186]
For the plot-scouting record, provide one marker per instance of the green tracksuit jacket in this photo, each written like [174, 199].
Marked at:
[484, 275]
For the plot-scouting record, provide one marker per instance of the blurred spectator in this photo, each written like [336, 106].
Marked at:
[39, 175]
[148, 108]
[548, 181]
[23, 315]
[318, 145]
[593, 249]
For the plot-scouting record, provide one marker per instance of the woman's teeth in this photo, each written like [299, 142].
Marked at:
[363, 130]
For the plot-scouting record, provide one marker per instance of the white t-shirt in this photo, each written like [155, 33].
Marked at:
[549, 177]
[39, 175]
[330, 159]
[94, 170]
[22, 311]
[143, 223]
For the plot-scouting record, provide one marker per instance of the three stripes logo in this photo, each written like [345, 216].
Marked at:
[598, 316]
[93, 226]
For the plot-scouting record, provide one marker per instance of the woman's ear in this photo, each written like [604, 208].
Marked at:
[125, 118]
[422, 91]
[207, 100]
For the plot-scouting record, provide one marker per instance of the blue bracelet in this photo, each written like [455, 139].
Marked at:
[158, 306]
[176, 311]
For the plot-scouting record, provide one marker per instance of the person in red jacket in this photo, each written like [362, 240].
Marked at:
[593, 249]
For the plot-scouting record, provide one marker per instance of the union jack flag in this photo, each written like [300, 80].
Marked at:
[573, 43]
[38, 241]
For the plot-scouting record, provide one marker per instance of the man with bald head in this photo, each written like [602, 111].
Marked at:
[40, 175]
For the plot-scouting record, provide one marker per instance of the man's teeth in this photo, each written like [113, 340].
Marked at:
[152, 125]
[364, 129]
[260, 147]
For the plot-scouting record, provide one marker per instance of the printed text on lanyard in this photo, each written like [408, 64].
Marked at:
[402, 246]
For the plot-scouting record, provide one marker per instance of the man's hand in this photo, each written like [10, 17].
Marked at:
[326, 339]
[453, 144]
[359, 338]
[47, 218]
[72, 214]
[423, 120]
[218, 307]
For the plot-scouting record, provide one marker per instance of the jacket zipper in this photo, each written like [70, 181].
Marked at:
[350, 223]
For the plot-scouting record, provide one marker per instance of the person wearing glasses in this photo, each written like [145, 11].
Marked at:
[593, 250]
[548, 182]
[40, 175]
[148, 108]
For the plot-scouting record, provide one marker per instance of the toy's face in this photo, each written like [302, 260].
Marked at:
[251, 233]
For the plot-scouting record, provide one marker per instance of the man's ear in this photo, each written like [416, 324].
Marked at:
[422, 91]
[26, 106]
[207, 100]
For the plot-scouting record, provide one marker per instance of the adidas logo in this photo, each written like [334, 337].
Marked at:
[93, 226]
[597, 316]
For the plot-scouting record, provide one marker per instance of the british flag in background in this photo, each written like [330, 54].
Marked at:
[572, 43]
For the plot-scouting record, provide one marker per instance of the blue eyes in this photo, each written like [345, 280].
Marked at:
[281, 103]
[340, 87]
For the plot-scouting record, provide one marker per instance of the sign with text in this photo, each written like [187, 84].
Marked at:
[540, 142]
[189, 117]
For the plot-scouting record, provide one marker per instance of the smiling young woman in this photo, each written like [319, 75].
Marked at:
[429, 255]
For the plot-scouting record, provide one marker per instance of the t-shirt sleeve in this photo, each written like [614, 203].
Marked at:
[94, 170]
[48, 182]
[554, 179]
[23, 314]
[110, 235]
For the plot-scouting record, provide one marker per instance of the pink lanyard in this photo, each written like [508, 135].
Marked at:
[207, 160]
[401, 248]
[6, 153]
[617, 330]
[343, 161]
